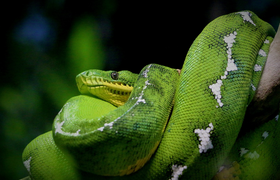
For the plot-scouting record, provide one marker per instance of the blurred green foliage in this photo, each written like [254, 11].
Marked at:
[40, 80]
[47, 43]
[85, 46]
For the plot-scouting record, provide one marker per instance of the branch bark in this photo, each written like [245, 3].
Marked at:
[265, 104]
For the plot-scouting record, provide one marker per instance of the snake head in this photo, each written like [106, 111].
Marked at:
[111, 86]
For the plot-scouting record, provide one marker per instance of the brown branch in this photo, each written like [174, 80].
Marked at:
[265, 104]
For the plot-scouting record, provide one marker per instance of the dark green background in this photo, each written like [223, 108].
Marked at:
[47, 43]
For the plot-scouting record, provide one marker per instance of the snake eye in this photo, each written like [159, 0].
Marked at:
[115, 75]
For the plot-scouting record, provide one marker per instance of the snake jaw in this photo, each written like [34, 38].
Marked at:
[115, 92]
[112, 95]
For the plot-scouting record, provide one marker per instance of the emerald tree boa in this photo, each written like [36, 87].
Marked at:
[123, 125]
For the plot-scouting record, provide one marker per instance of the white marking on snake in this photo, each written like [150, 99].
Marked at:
[140, 99]
[247, 17]
[257, 67]
[230, 39]
[253, 155]
[177, 171]
[216, 90]
[204, 138]
[106, 124]
[276, 118]
[243, 151]
[145, 73]
[262, 53]
[266, 41]
[58, 126]
[253, 87]
[265, 134]
[260, 144]
[231, 66]
[58, 129]
[27, 164]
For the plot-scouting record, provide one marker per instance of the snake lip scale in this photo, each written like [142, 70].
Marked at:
[114, 91]
[95, 82]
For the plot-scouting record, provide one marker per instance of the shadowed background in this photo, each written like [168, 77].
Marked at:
[47, 43]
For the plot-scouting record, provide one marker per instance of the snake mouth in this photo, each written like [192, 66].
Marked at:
[116, 90]
[86, 85]
[116, 93]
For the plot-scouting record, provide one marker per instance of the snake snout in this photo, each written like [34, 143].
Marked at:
[82, 87]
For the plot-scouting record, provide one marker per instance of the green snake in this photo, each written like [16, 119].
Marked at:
[122, 126]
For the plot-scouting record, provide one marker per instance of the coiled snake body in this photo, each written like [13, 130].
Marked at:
[91, 138]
